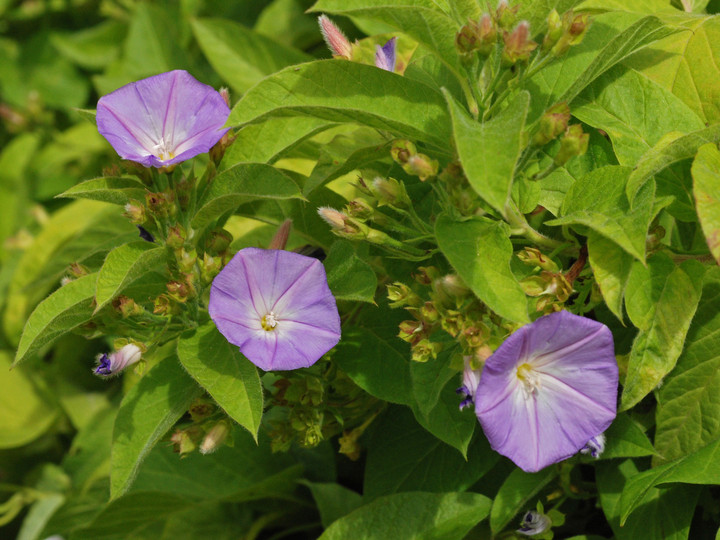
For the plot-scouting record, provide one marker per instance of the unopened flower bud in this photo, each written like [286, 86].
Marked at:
[385, 55]
[426, 274]
[114, 363]
[573, 143]
[342, 224]
[201, 408]
[186, 259]
[390, 192]
[280, 238]
[554, 30]
[470, 382]
[429, 313]
[185, 440]
[452, 322]
[218, 241]
[402, 150]
[477, 36]
[145, 234]
[164, 305]
[400, 295]
[160, 204]
[552, 123]
[574, 30]
[411, 331]
[534, 257]
[135, 212]
[77, 270]
[518, 44]
[421, 166]
[424, 350]
[210, 267]
[176, 236]
[595, 446]
[359, 208]
[451, 285]
[181, 290]
[335, 39]
[215, 438]
[505, 16]
[127, 307]
[534, 523]
[225, 94]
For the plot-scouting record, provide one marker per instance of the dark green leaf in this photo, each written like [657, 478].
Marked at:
[333, 501]
[515, 495]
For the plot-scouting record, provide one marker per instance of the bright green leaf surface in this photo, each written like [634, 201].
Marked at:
[516, 493]
[688, 415]
[63, 311]
[115, 190]
[480, 251]
[39, 514]
[598, 201]
[670, 295]
[413, 516]
[24, 413]
[611, 267]
[147, 411]
[241, 183]
[124, 265]
[489, 150]
[241, 56]
[227, 375]
[625, 438]
[349, 92]
[349, 277]
[93, 48]
[706, 188]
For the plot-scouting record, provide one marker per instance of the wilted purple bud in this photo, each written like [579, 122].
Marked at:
[548, 389]
[595, 446]
[385, 55]
[162, 120]
[114, 363]
[277, 307]
[335, 39]
[145, 234]
[534, 523]
[470, 381]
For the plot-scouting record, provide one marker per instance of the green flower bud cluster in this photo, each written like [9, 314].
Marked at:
[208, 429]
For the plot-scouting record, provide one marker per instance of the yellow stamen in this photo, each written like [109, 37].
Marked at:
[530, 379]
[269, 322]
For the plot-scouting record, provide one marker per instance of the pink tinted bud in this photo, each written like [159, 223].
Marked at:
[335, 39]
[225, 94]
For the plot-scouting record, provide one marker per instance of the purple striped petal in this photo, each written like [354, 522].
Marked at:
[385, 55]
[548, 389]
[162, 120]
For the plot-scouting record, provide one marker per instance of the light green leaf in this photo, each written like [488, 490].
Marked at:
[412, 516]
[241, 56]
[671, 295]
[611, 268]
[515, 495]
[688, 408]
[349, 277]
[242, 183]
[123, 265]
[687, 64]
[147, 411]
[403, 456]
[24, 413]
[227, 375]
[92, 48]
[62, 311]
[598, 201]
[700, 467]
[39, 514]
[328, 89]
[625, 438]
[333, 501]
[489, 151]
[671, 149]
[706, 178]
[480, 251]
[110, 189]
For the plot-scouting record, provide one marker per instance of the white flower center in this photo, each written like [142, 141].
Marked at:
[162, 149]
[529, 378]
[269, 321]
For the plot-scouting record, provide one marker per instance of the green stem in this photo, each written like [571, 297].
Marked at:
[517, 221]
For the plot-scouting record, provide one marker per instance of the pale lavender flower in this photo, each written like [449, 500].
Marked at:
[595, 446]
[114, 363]
[277, 307]
[548, 389]
[334, 38]
[534, 523]
[385, 55]
[162, 120]
[470, 381]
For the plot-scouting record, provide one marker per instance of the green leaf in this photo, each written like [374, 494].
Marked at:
[349, 277]
[24, 413]
[419, 19]
[634, 111]
[403, 456]
[480, 251]
[687, 402]
[489, 150]
[241, 183]
[700, 467]
[611, 268]
[515, 495]
[333, 501]
[123, 265]
[39, 514]
[110, 189]
[625, 438]
[227, 375]
[670, 296]
[598, 201]
[147, 411]
[92, 48]
[241, 56]
[62, 311]
[705, 173]
[328, 89]
[687, 64]
[671, 149]
[412, 516]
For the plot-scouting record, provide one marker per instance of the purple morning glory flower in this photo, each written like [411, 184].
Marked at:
[385, 55]
[548, 389]
[162, 120]
[470, 381]
[115, 362]
[277, 307]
